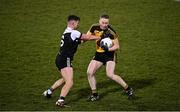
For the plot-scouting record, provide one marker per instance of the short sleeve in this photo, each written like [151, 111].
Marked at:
[92, 28]
[75, 34]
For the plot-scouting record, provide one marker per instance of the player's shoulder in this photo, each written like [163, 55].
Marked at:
[76, 31]
[70, 30]
[95, 26]
[111, 29]
[75, 34]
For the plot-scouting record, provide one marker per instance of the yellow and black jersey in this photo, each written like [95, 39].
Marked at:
[97, 31]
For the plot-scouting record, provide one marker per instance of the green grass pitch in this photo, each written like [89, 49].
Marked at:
[148, 61]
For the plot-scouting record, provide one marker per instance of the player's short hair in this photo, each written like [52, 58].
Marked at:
[73, 17]
[104, 16]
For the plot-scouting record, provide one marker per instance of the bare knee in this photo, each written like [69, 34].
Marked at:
[110, 75]
[69, 83]
[90, 73]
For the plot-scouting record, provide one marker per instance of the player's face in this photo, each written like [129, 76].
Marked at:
[103, 22]
[76, 24]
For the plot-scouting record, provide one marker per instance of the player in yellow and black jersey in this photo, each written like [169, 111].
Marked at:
[104, 56]
[104, 33]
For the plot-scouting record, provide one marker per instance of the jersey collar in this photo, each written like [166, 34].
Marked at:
[69, 28]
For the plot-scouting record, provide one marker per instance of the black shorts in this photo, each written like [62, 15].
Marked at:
[63, 61]
[104, 57]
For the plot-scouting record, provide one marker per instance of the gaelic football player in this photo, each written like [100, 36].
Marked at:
[70, 40]
[104, 56]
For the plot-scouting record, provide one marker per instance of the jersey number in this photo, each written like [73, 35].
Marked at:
[62, 41]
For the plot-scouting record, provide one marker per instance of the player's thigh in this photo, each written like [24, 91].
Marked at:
[67, 73]
[110, 67]
[93, 66]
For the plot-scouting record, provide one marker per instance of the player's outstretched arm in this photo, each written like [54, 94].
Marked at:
[116, 45]
[87, 37]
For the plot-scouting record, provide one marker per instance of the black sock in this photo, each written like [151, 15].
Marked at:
[62, 97]
[51, 89]
[95, 94]
[127, 88]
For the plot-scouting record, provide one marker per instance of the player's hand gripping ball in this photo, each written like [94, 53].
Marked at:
[106, 43]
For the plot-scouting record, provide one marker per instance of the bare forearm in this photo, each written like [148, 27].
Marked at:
[86, 37]
[116, 45]
[92, 37]
[114, 48]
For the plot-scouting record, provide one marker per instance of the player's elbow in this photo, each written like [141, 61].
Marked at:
[117, 47]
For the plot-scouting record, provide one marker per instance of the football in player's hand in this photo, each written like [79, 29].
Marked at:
[106, 42]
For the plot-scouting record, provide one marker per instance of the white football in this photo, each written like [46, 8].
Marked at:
[107, 42]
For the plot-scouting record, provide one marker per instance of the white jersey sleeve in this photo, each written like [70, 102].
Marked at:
[75, 34]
